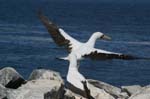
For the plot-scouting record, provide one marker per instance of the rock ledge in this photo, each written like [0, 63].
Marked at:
[48, 84]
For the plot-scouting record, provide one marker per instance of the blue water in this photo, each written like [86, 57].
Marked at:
[26, 45]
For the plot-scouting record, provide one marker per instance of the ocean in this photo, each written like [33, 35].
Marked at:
[26, 45]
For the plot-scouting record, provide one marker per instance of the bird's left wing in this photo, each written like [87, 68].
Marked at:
[98, 54]
[60, 37]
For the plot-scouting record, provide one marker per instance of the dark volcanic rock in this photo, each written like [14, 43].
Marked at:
[10, 78]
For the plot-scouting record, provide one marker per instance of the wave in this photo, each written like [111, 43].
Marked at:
[12, 25]
[15, 57]
[130, 42]
[8, 38]
[136, 43]
[35, 33]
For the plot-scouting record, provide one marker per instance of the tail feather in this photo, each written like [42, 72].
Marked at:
[87, 91]
[62, 58]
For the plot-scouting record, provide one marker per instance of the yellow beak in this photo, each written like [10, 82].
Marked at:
[105, 37]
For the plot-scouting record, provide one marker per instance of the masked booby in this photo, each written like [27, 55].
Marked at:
[82, 50]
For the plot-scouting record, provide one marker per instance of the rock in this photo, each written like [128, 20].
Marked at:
[96, 93]
[99, 93]
[143, 94]
[55, 94]
[37, 89]
[3, 91]
[132, 89]
[71, 95]
[10, 78]
[42, 84]
[45, 74]
[112, 90]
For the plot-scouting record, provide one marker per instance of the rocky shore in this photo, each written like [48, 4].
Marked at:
[48, 84]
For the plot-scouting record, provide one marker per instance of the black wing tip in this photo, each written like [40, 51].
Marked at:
[103, 56]
[40, 13]
[41, 16]
[45, 20]
[130, 57]
[53, 30]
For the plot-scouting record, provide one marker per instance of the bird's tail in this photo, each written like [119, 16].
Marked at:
[87, 91]
[62, 58]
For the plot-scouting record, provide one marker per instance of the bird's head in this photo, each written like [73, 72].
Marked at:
[100, 35]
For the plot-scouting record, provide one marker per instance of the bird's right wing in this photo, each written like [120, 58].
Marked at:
[60, 37]
[98, 54]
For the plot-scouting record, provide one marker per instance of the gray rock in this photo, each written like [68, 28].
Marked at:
[55, 94]
[10, 78]
[37, 89]
[96, 93]
[43, 84]
[132, 89]
[112, 90]
[45, 74]
[99, 93]
[3, 91]
[71, 95]
[143, 94]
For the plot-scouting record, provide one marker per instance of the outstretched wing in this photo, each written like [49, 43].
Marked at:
[60, 37]
[98, 54]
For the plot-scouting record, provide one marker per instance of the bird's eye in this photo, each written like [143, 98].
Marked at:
[102, 36]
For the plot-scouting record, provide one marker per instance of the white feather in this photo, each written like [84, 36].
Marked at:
[73, 76]
[74, 44]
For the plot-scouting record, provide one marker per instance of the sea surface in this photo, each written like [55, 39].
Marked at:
[26, 45]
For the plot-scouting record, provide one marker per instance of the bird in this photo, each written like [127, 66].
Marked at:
[82, 50]
[76, 82]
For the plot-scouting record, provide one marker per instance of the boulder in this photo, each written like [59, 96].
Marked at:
[10, 78]
[99, 93]
[55, 93]
[45, 74]
[3, 92]
[37, 89]
[42, 84]
[132, 89]
[71, 95]
[112, 90]
[96, 93]
[144, 93]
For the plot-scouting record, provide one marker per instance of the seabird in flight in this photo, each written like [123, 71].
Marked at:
[82, 50]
